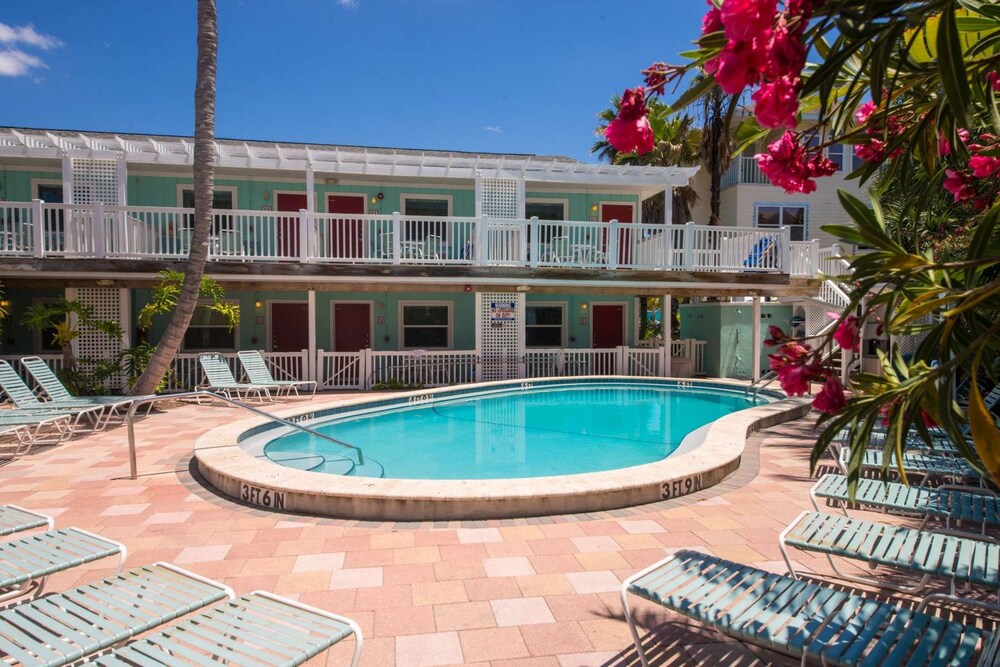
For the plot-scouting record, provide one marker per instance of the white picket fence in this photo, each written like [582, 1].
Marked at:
[367, 369]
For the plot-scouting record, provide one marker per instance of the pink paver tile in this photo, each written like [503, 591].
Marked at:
[513, 566]
[429, 650]
[492, 644]
[168, 517]
[318, 562]
[637, 527]
[464, 616]
[593, 582]
[384, 597]
[397, 621]
[361, 577]
[555, 638]
[215, 552]
[521, 611]
[439, 592]
[478, 535]
[595, 659]
[490, 589]
[126, 510]
[598, 543]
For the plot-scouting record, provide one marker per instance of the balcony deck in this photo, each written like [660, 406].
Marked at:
[41, 241]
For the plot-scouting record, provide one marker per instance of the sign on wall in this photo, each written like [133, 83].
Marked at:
[503, 311]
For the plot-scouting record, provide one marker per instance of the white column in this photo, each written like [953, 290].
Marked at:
[668, 206]
[67, 179]
[311, 316]
[666, 309]
[69, 225]
[311, 189]
[755, 339]
[122, 182]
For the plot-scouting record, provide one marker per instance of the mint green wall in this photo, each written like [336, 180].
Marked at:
[15, 337]
[728, 330]
[578, 332]
[580, 203]
[16, 185]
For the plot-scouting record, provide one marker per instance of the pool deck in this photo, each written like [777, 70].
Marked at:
[506, 593]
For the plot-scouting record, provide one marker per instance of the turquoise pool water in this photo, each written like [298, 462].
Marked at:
[517, 433]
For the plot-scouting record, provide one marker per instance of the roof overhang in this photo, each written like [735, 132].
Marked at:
[378, 163]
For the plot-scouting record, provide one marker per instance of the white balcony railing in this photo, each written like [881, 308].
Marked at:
[744, 171]
[37, 229]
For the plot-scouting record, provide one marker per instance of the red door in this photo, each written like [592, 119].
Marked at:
[289, 327]
[352, 326]
[346, 236]
[288, 227]
[608, 325]
[623, 214]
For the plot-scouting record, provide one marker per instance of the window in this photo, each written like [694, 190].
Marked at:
[425, 207]
[209, 332]
[544, 324]
[223, 199]
[546, 210]
[856, 162]
[44, 341]
[835, 152]
[425, 325]
[772, 216]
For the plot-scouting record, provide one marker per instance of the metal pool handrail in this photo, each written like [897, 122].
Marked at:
[130, 422]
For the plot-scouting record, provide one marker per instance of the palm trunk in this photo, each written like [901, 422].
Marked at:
[204, 180]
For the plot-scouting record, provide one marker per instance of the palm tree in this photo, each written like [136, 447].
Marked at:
[676, 143]
[717, 112]
[204, 181]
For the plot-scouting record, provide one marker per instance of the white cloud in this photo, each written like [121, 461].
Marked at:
[17, 63]
[347, 4]
[494, 128]
[13, 60]
[28, 36]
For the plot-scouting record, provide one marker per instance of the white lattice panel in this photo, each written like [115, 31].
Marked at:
[907, 345]
[817, 316]
[106, 305]
[500, 334]
[95, 180]
[500, 197]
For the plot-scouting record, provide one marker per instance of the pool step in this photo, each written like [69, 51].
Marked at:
[297, 460]
[371, 468]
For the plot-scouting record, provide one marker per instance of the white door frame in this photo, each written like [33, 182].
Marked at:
[623, 304]
[333, 321]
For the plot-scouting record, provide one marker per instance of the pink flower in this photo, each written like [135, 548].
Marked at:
[660, 74]
[776, 104]
[795, 378]
[959, 185]
[790, 166]
[746, 19]
[740, 64]
[630, 131]
[831, 398]
[712, 22]
[786, 54]
[873, 151]
[993, 79]
[775, 336]
[864, 111]
[795, 351]
[847, 334]
[983, 166]
[944, 146]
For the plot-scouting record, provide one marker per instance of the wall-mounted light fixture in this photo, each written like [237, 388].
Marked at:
[4, 303]
[258, 304]
[593, 207]
[583, 306]
[374, 200]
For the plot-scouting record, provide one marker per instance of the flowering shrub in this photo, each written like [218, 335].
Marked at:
[913, 86]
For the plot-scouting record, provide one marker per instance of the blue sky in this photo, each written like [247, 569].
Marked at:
[514, 76]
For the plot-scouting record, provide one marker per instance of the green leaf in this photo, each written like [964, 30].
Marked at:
[698, 88]
[951, 66]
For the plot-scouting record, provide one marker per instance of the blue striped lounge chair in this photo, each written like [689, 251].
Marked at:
[255, 367]
[56, 390]
[26, 401]
[802, 619]
[15, 519]
[220, 380]
[955, 558]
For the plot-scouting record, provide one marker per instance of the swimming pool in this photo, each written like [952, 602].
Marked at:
[491, 429]
[513, 432]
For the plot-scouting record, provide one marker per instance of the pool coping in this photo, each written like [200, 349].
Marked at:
[234, 472]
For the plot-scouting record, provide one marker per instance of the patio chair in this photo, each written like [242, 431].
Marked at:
[928, 466]
[255, 366]
[432, 247]
[760, 253]
[221, 381]
[35, 428]
[799, 618]
[951, 504]
[29, 405]
[56, 390]
[383, 246]
[63, 628]
[257, 629]
[26, 563]
[560, 250]
[956, 558]
[15, 519]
